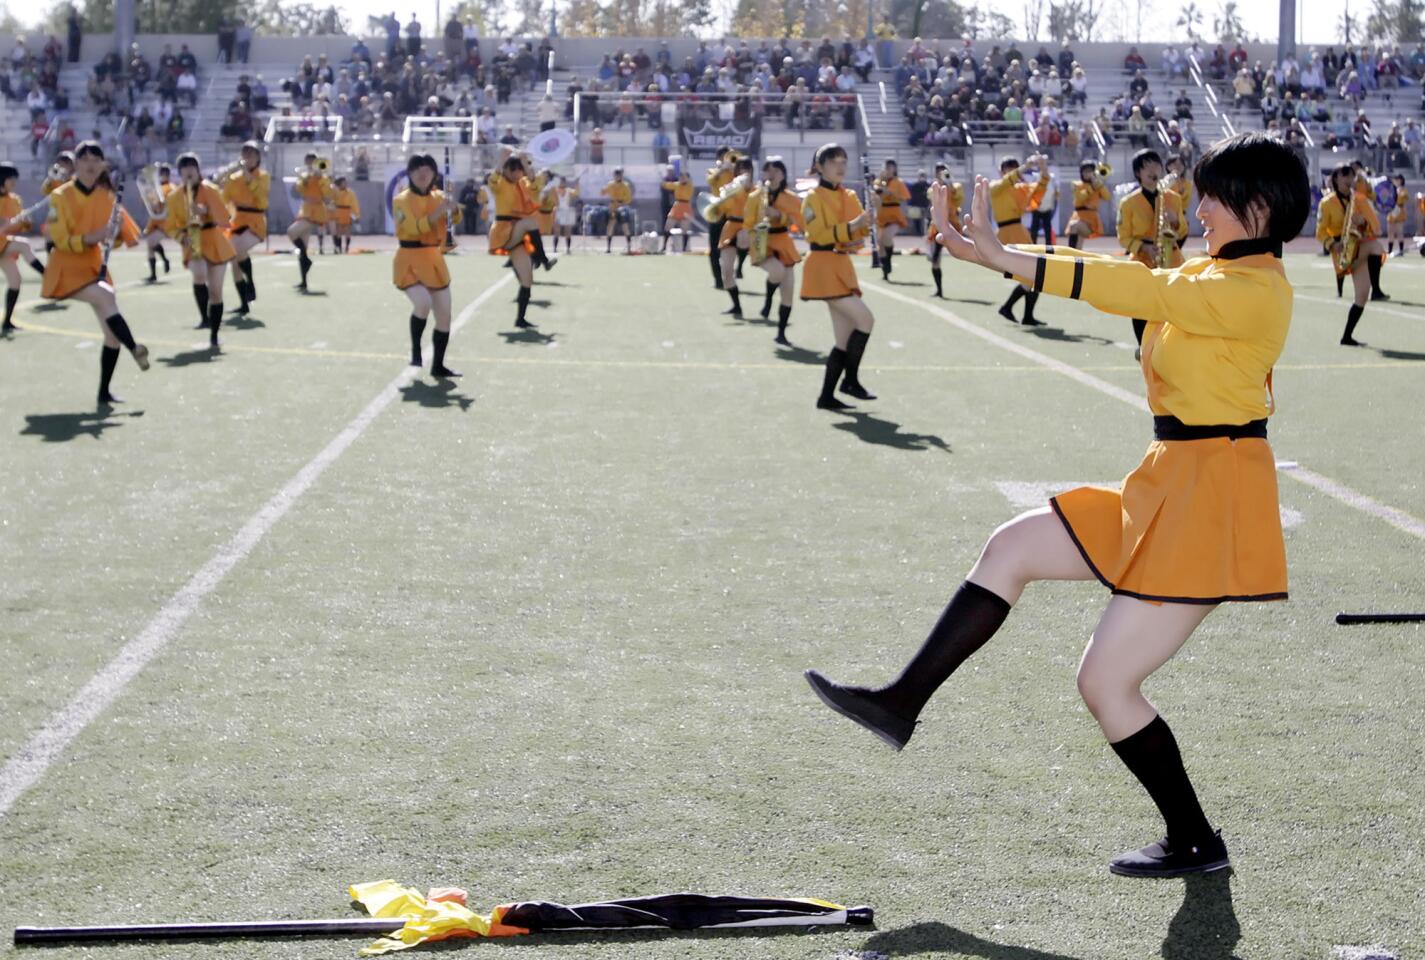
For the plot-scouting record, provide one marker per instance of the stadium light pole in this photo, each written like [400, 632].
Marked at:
[1286, 30]
[123, 29]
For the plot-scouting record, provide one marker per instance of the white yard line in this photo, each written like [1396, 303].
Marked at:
[1396, 518]
[24, 769]
[1373, 307]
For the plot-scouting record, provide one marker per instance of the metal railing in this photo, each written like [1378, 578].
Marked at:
[815, 111]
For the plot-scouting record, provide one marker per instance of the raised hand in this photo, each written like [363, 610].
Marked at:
[950, 238]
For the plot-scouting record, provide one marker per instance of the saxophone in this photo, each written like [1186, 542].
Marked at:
[712, 212]
[1350, 238]
[1167, 236]
[193, 234]
[763, 230]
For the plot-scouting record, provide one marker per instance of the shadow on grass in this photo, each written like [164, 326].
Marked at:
[528, 336]
[971, 300]
[931, 939]
[248, 322]
[49, 306]
[795, 354]
[1399, 354]
[887, 433]
[438, 395]
[1063, 336]
[190, 357]
[63, 427]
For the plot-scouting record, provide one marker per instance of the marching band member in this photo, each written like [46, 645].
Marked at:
[546, 198]
[1364, 228]
[59, 174]
[718, 176]
[198, 219]
[620, 194]
[246, 192]
[733, 239]
[153, 229]
[15, 247]
[1374, 261]
[346, 209]
[680, 217]
[314, 189]
[1011, 198]
[1195, 525]
[956, 194]
[1395, 219]
[84, 216]
[1138, 223]
[783, 211]
[1089, 192]
[515, 231]
[890, 218]
[566, 213]
[835, 225]
[422, 214]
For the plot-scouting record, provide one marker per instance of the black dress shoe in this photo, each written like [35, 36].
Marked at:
[857, 391]
[444, 372]
[1162, 859]
[1031, 322]
[1350, 342]
[852, 704]
[1008, 314]
[831, 403]
[1380, 295]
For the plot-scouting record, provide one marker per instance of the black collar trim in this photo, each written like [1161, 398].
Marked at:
[827, 186]
[82, 188]
[1249, 247]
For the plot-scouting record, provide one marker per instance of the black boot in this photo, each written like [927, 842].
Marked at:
[835, 364]
[418, 327]
[736, 308]
[1353, 317]
[1191, 846]
[714, 253]
[939, 288]
[1006, 309]
[1030, 299]
[108, 360]
[967, 623]
[855, 349]
[441, 339]
[784, 313]
[119, 327]
[523, 300]
[200, 296]
[215, 321]
[1373, 265]
[767, 304]
[12, 297]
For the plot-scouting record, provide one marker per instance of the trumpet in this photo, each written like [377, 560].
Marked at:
[1167, 236]
[224, 172]
[1104, 171]
[712, 212]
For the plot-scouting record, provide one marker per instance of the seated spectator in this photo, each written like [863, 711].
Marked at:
[143, 123]
[167, 87]
[188, 87]
[1217, 66]
[260, 100]
[186, 60]
[37, 102]
[1244, 90]
[1352, 89]
[1134, 61]
[177, 128]
[39, 127]
[1137, 128]
[1138, 85]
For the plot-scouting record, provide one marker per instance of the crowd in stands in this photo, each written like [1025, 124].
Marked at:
[803, 84]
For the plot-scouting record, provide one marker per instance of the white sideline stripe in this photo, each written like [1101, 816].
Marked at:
[24, 769]
[1373, 307]
[1396, 518]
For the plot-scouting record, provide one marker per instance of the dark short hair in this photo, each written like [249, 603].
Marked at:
[66, 156]
[721, 152]
[891, 162]
[942, 166]
[189, 160]
[1144, 157]
[252, 145]
[1009, 163]
[418, 160]
[1087, 165]
[745, 165]
[89, 148]
[1253, 168]
[825, 152]
[7, 171]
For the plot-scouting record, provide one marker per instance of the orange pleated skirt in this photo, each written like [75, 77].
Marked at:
[829, 275]
[780, 246]
[682, 210]
[254, 222]
[1091, 218]
[1197, 522]
[891, 214]
[420, 265]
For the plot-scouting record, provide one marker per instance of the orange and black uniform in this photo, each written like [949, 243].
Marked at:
[155, 220]
[1010, 198]
[10, 208]
[1088, 194]
[717, 178]
[682, 199]
[214, 245]
[247, 197]
[1138, 224]
[315, 190]
[786, 216]
[546, 198]
[73, 212]
[894, 193]
[346, 209]
[421, 234]
[828, 212]
[513, 201]
[733, 210]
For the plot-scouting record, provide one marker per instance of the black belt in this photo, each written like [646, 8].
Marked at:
[1171, 428]
[209, 226]
[885, 204]
[507, 218]
[827, 248]
[1005, 223]
[249, 210]
[733, 219]
[1086, 209]
[415, 245]
[776, 229]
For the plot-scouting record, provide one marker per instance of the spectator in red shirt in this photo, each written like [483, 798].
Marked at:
[1134, 61]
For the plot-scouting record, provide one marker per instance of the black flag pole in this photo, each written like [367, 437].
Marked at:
[353, 926]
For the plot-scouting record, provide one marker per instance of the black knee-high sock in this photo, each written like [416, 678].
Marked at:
[200, 297]
[1353, 317]
[540, 258]
[685, 241]
[855, 350]
[741, 256]
[153, 266]
[523, 300]
[440, 339]
[1074, 241]
[767, 304]
[1030, 299]
[715, 252]
[886, 254]
[36, 266]
[246, 264]
[968, 621]
[1340, 284]
[1152, 756]
[835, 364]
[108, 360]
[784, 314]
[736, 296]
[418, 327]
[1138, 327]
[162, 255]
[1373, 264]
[939, 285]
[1014, 296]
[120, 328]
[12, 297]
[304, 262]
[215, 320]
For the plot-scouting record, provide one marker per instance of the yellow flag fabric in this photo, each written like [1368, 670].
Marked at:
[426, 920]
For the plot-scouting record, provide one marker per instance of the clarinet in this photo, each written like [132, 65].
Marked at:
[112, 230]
[870, 189]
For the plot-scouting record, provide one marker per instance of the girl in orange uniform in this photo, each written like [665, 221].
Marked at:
[546, 198]
[1331, 231]
[680, 216]
[1195, 525]
[835, 226]
[783, 211]
[12, 248]
[1089, 192]
[734, 240]
[515, 231]
[956, 195]
[59, 174]
[198, 220]
[422, 214]
[314, 189]
[346, 210]
[84, 216]
[890, 218]
[246, 192]
[153, 229]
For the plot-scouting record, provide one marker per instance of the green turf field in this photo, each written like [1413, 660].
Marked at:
[540, 633]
